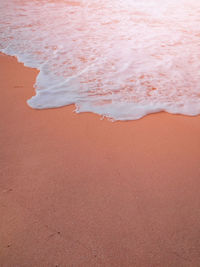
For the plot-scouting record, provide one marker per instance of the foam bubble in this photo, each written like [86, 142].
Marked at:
[120, 59]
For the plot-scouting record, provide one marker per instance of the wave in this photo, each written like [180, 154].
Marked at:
[120, 59]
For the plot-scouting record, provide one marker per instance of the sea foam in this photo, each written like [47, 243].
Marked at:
[121, 59]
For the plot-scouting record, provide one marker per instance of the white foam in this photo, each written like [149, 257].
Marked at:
[120, 59]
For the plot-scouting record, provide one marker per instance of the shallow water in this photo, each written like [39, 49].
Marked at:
[120, 59]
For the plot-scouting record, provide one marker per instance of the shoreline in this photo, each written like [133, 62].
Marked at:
[101, 116]
[82, 191]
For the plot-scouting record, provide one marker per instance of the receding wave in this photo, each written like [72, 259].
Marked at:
[120, 59]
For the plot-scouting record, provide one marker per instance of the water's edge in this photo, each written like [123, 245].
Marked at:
[120, 59]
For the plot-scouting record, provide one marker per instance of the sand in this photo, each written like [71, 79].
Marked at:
[79, 191]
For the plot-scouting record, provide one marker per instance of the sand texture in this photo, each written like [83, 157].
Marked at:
[79, 191]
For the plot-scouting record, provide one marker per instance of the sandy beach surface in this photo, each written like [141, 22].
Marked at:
[79, 191]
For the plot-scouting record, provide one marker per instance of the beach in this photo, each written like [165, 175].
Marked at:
[77, 190]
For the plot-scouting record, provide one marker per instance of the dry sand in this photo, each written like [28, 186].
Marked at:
[79, 191]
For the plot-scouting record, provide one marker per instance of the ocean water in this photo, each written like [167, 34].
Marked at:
[121, 59]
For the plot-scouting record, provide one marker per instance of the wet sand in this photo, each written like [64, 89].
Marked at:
[79, 191]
